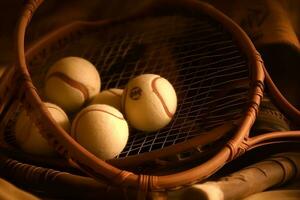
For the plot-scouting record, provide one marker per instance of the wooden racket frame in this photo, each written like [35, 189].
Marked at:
[101, 170]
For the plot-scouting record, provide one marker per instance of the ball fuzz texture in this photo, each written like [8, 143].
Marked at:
[70, 82]
[149, 102]
[112, 97]
[101, 129]
[28, 136]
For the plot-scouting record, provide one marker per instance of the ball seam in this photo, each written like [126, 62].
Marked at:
[59, 110]
[153, 85]
[71, 82]
[74, 132]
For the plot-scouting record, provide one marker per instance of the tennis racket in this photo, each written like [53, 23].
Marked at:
[214, 67]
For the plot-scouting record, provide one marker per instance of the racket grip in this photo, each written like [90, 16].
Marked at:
[271, 172]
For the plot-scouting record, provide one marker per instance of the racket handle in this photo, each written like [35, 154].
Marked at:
[273, 171]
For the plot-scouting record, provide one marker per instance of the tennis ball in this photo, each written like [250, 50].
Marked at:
[149, 102]
[101, 129]
[28, 136]
[70, 82]
[112, 97]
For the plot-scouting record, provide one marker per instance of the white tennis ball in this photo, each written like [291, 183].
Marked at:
[72, 81]
[149, 102]
[101, 129]
[112, 97]
[28, 136]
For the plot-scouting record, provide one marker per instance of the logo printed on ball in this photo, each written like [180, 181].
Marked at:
[135, 93]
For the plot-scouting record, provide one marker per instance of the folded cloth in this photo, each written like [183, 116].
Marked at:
[265, 21]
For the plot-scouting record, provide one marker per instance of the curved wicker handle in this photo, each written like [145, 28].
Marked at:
[99, 169]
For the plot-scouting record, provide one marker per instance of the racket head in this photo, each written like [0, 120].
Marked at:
[87, 162]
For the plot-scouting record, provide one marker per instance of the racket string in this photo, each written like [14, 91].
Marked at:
[197, 56]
